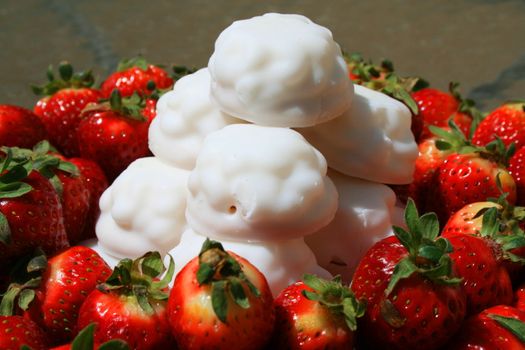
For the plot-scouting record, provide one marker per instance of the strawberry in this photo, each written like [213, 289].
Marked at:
[414, 299]
[66, 280]
[437, 107]
[220, 300]
[517, 170]
[85, 341]
[30, 210]
[16, 331]
[485, 282]
[20, 127]
[506, 122]
[136, 75]
[115, 133]
[63, 101]
[134, 293]
[519, 298]
[96, 183]
[501, 223]
[498, 327]
[316, 314]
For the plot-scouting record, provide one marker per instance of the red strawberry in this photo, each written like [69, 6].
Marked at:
[499, 222]
[485, 281]
[413, 298]
[16, 331]
[221, 301]
[519, 298]
[85, 341]
[134, 293]
[20, 127]
[64, 100]
[517, 170]
[96, 183]
[136, 75]
[506, 122]
[499, 327]
[437, 107]
[66, 281]
[114, 135]
[316, 314]
[30, 210]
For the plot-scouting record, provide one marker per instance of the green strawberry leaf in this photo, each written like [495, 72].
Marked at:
[14, 190]
[237, 293]
[428, 225]
[65, 70]
[5, 230]
[515, 326]
[151, 264]
[168, 276]
[141, 293]
[84, 340]
[25, 297]
[404, 269]
[15, 174]
[205, 273]
[219, 299]
[429, 252]
[115, 344]
[7, 305]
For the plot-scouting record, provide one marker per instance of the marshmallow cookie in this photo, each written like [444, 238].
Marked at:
[185, 116]
[364, 216]
[372, 140]
[256, 183]
[282, 262]
[143, 210]
[279, 70]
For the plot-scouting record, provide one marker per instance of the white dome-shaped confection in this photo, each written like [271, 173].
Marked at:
[143, 209]
[185, 116]
[280, 70]
[258, 183]
[364, 216]
[281, 262]
[372, 140]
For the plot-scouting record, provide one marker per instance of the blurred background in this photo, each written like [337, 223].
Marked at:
[479, 43]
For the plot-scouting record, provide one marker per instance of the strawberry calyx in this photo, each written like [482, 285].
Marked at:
[466, 106]
[67, 79]
[85, 341]
[513, 325]
[428, 254]
[179, 71]
[128, 63]
[224, 274]
[141, 279]
[26, 276]
[129, 107]
[339, 299]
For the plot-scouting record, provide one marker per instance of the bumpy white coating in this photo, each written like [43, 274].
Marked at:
[281, 262]
[372, 140]
[280, 70]
[185, 116]
[143, 209]
[259, 183]
[364, 217]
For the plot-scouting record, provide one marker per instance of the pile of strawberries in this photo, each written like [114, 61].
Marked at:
[452, 277]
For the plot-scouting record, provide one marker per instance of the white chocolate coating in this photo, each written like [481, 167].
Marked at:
[364, 217]
[143, 209]
[281, 262]
[185, 116]
[259, 183]
[372, 140]
[280, 70]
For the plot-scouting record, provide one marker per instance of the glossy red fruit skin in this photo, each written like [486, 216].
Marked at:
[432, 313]
[16, 331]
[68, 279]
[519, 298]
[120, 317]
[305, 324]
[483, 333]
[195, 326]
[112, 140]
[35, 219]
[517, 170]
[20, 127]
[485, 281]
[464, 179]
[507, 122]
[136, 79]
[96, 183]
[61, 114]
